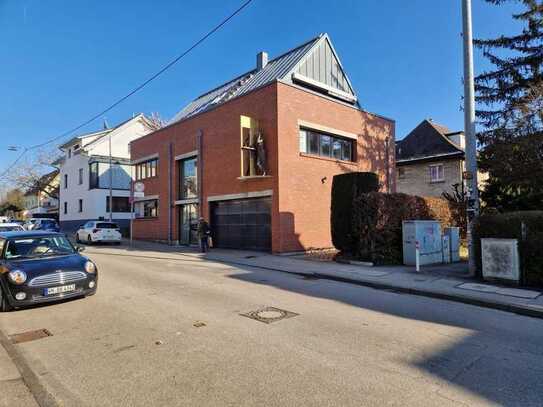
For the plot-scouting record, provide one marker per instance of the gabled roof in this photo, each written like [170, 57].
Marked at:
[428, 140]
[314, 63]
[98, 135]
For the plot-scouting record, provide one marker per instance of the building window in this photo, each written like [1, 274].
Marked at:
[93, 176]
[401, 173]
[254, 161]
[65, 208]
[80, 176]
[188, 176]
[326, 145]
[65, 181]
[69, 153]
[80, 205]
[120, 204]
[437, 173]
[147, 169]
[146, 209]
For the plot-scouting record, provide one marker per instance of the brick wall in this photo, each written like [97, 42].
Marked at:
[416, 178]
[301, 200]
[221, 141]
[305, 181]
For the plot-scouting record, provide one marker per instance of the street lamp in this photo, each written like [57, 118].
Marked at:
[469, 131]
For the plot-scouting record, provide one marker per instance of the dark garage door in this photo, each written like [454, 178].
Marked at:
[242, 224]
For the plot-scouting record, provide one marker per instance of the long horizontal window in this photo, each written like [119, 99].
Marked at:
[147, 169]
[146, 209]
[120, 204]
[326, 145]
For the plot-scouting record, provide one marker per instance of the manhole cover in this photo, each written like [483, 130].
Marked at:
[269, 314]
[30, 336]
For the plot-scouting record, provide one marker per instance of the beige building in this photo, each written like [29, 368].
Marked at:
[42, 198]
[429, 160]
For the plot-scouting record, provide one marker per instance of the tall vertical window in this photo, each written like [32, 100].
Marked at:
[69, 153]
[326, 145]
[80, 205]
[437, 173]
[80, 176]
[93, 176]
[65, 208]
[188, 177]
[65, 181]
[147, 169]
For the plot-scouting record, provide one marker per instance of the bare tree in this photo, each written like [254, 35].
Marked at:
[38, 172]
[157, 121]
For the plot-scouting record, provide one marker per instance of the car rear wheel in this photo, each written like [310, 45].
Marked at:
[4, 304]
[89, 239]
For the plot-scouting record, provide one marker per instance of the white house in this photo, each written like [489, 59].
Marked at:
[85, 174]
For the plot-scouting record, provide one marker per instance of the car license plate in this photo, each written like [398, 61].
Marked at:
[60, 290]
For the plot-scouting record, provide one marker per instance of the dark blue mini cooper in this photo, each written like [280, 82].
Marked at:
[37, 267]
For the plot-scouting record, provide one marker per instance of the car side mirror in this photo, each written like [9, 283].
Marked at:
[80, 249]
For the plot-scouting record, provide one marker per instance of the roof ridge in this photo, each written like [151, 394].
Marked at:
[254, 69]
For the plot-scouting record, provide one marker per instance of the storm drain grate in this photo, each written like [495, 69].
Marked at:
[29, 336]
[269, 314]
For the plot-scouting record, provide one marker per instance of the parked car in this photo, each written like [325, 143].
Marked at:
[11, 227]
[48, 225]
[98, 231]
[38, 267]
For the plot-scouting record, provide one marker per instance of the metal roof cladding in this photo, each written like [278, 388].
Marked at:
[276, 69]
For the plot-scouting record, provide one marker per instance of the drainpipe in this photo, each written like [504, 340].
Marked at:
[200, 171]
[170, 180]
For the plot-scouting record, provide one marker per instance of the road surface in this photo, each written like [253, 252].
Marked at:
[164, 332]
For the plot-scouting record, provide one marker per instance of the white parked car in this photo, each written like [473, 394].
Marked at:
[11, 227]
[98, 231]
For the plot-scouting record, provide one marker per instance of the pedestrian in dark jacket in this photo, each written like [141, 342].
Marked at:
[204, 232]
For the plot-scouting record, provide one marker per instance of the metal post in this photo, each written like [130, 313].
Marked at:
[110, 182]
[417, 256]
[469, 124]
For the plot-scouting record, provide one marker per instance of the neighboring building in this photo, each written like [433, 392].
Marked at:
[42, 199]
[430, 160]
[85, 174]
[256, 155]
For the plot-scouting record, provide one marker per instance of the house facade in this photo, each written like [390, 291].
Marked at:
[85, 174]
[256, 156]
[42, 198]
[430, 160]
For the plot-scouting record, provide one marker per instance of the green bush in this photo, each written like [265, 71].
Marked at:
[345, 188]
[530, 240]
[377, 223]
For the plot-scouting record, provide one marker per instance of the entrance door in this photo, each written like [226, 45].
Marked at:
[188, 220]
[242, 224]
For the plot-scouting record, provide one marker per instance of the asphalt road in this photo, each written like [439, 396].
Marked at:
[164, 332]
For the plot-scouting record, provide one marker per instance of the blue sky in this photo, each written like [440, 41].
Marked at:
[64, 61]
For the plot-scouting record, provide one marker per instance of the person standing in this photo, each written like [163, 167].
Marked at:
[204, 231]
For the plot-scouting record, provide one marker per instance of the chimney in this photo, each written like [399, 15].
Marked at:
[261, 60]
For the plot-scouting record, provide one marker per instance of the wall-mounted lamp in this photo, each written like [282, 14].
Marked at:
[323, 180]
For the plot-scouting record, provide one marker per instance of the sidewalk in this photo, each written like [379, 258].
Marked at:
[444, 281]
[14, 392]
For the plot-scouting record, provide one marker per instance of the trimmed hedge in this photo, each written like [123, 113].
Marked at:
[530, 243]
[377, 222]
[374, 226]
[345, 188]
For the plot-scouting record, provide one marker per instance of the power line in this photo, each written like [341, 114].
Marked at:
[132, 92]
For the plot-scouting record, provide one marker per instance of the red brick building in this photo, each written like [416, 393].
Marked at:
[256, 156]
